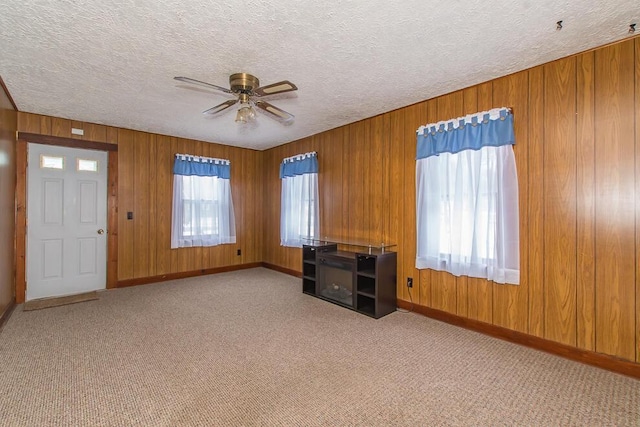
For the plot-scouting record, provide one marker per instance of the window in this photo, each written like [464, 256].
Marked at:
[202, 204]
[51, 162]
[299, 200]
[467, 198]
[87, 165]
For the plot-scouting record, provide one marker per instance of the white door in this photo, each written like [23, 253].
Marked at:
[66, 221]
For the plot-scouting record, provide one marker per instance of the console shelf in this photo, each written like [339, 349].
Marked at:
[364, 281]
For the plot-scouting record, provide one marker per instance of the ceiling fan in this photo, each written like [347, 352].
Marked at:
[248, 93]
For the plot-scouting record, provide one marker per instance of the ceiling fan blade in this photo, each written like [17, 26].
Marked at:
[275, 112]
[272, 89]
[220, 107]
[198, 82]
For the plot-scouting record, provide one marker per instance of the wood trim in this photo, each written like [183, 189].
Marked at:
[112, 221]
[7, 313]
[282, 270]
[185, 274]
[21, 219]
[21, 205]
[66, 142]
[6, 91]
[592, 358]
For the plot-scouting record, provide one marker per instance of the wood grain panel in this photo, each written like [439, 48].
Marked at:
[112, 135]
[61, 127]
[93, 132]
[241, 187]
[396, 198]
[615, 207]
[335, 192]
[248, 194]
[324, 199]
[29, 123]
[271, 207]
[356, 181]
[258, 212]
[376, 181]
[560, 201]
[369, 230]
[126, 227]
[225, 254]
[152, 208]
[164, 192]
[21, 220]
[386, 179]
[141, 190]
[273, 204]
[415, 116]
[510, 305]
[637, 123]
[585, 245]
[347, 186]
[46, 127]
[535, 152]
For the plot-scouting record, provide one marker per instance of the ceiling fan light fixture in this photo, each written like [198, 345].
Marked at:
[248, 92]
[245, 113]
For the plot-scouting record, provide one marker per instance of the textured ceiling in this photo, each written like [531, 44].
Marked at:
[112, 61]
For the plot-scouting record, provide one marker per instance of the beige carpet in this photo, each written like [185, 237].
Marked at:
[249, 349]
[39, 304]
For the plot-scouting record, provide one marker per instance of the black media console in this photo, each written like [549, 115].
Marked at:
[362, 281]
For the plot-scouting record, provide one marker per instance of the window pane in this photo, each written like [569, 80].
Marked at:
[51, 162]
[87, 165]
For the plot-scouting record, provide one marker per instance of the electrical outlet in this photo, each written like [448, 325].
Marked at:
[409, 282]
[239, 252]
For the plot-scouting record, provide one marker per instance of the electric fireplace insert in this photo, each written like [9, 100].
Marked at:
[336, 272]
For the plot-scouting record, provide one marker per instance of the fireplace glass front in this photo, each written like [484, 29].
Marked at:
[336, 280]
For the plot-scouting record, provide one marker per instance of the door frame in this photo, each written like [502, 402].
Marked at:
[21, 203]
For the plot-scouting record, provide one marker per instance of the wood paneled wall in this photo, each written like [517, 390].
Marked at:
[145, 183]
[577, 125]
[578, 159]
[8, 125]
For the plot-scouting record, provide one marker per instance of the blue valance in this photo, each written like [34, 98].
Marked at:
[490, 128]
[299, 165]
[185, 164]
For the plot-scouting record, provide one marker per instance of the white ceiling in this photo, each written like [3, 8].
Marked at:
[112, 61]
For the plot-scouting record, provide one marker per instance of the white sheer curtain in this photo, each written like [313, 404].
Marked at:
[299, 212]
[202, 213]
[467, 212]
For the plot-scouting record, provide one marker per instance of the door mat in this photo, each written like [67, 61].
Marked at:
[56, 302]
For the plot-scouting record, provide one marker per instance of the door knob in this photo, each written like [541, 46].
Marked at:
[101, 231]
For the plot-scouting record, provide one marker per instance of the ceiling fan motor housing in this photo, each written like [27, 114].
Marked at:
[243, 83]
